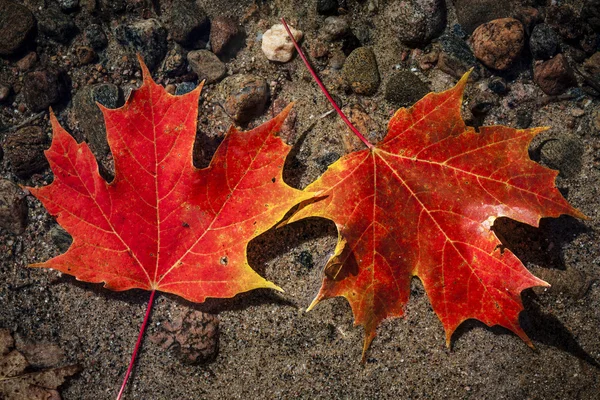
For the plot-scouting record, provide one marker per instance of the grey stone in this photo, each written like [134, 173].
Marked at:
[185, 87]
[25, 151]
[361, 72]
[13, 207]
[188, 23]
[147, 37]
[247, 96]
[456, 57]
[95, 36]
[41, 89]
[16, 26]
[206, 65]
[334, 28]
[68, 5]
[56, 25]
[405, 88]
[544, 42]
[174, 63]
[90, 117]
[418, 21]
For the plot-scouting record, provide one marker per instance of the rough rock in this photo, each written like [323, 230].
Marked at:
[56, 25]
[456, 57]
[61, 238]
[188, 23]
[497, 85]
[147, 37]
[95, 36]
[174, 63]
[247, 96]
[327, 7]
[193, 336]
[41, 89]
[90, 117]
[24, 151]
[554, 76]
[361, 72]
[405, 88]
[4, 92]
[277, 45]
[498, 43]
[68, 5]
[544, 42]
[226, 36]
[17, 26]
[472, 13]
[592, 65]
[564, 20]
[418, 21]
[13, 207]
[564, 154]
[206, 65]
[85, 55]
[27, 62]
[334, 28]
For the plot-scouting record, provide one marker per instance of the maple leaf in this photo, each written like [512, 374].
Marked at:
[17, 382]
[421, 203]
[162, 224]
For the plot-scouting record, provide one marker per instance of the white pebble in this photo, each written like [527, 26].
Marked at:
[277, 45]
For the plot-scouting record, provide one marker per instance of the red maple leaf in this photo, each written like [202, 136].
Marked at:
[421, 203]
[162, 224]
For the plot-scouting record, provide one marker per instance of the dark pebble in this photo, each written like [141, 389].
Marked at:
[497, 85]
[13, 207]
[188, 23]
[456, 57]
[327, 7]
[564, 20]
[147, 37]
[524, 119]
[56, 25]
[206, 65]
[175, 62]
[85, 55]
[305, 259]
[226, 36]
[185, 87]
[543, 42]
[68, 5]
[405, 88]
[25, 151]
[17, 26]
[247, 97]
[95, 36]
[41, 89]
[4, 92]
[89, 116]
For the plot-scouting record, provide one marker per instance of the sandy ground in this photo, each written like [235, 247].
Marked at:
[269, 347]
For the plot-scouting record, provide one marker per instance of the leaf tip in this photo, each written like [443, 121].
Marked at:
[146, 75]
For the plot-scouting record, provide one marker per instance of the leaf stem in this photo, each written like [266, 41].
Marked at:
[324, 89]
[138, 343]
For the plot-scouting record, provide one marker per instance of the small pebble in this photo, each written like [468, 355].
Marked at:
[225, 36]
[564, 154]
[473, 13]
[95, 36]
[497, 85]
[207, 65]
[327, 7]
[41, 90]
[277, 45]
[25, 151]
[17, 27]
[27, 62]
[554, 76]
[13, 207]
[498, 43]
[334, 28]
[247, 96]
[4, 92]
[544, 42]
[361, 72]
[417, 22]
[405, 88]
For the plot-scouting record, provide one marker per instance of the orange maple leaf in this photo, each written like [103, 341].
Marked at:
[162, 224]
[421, 203]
